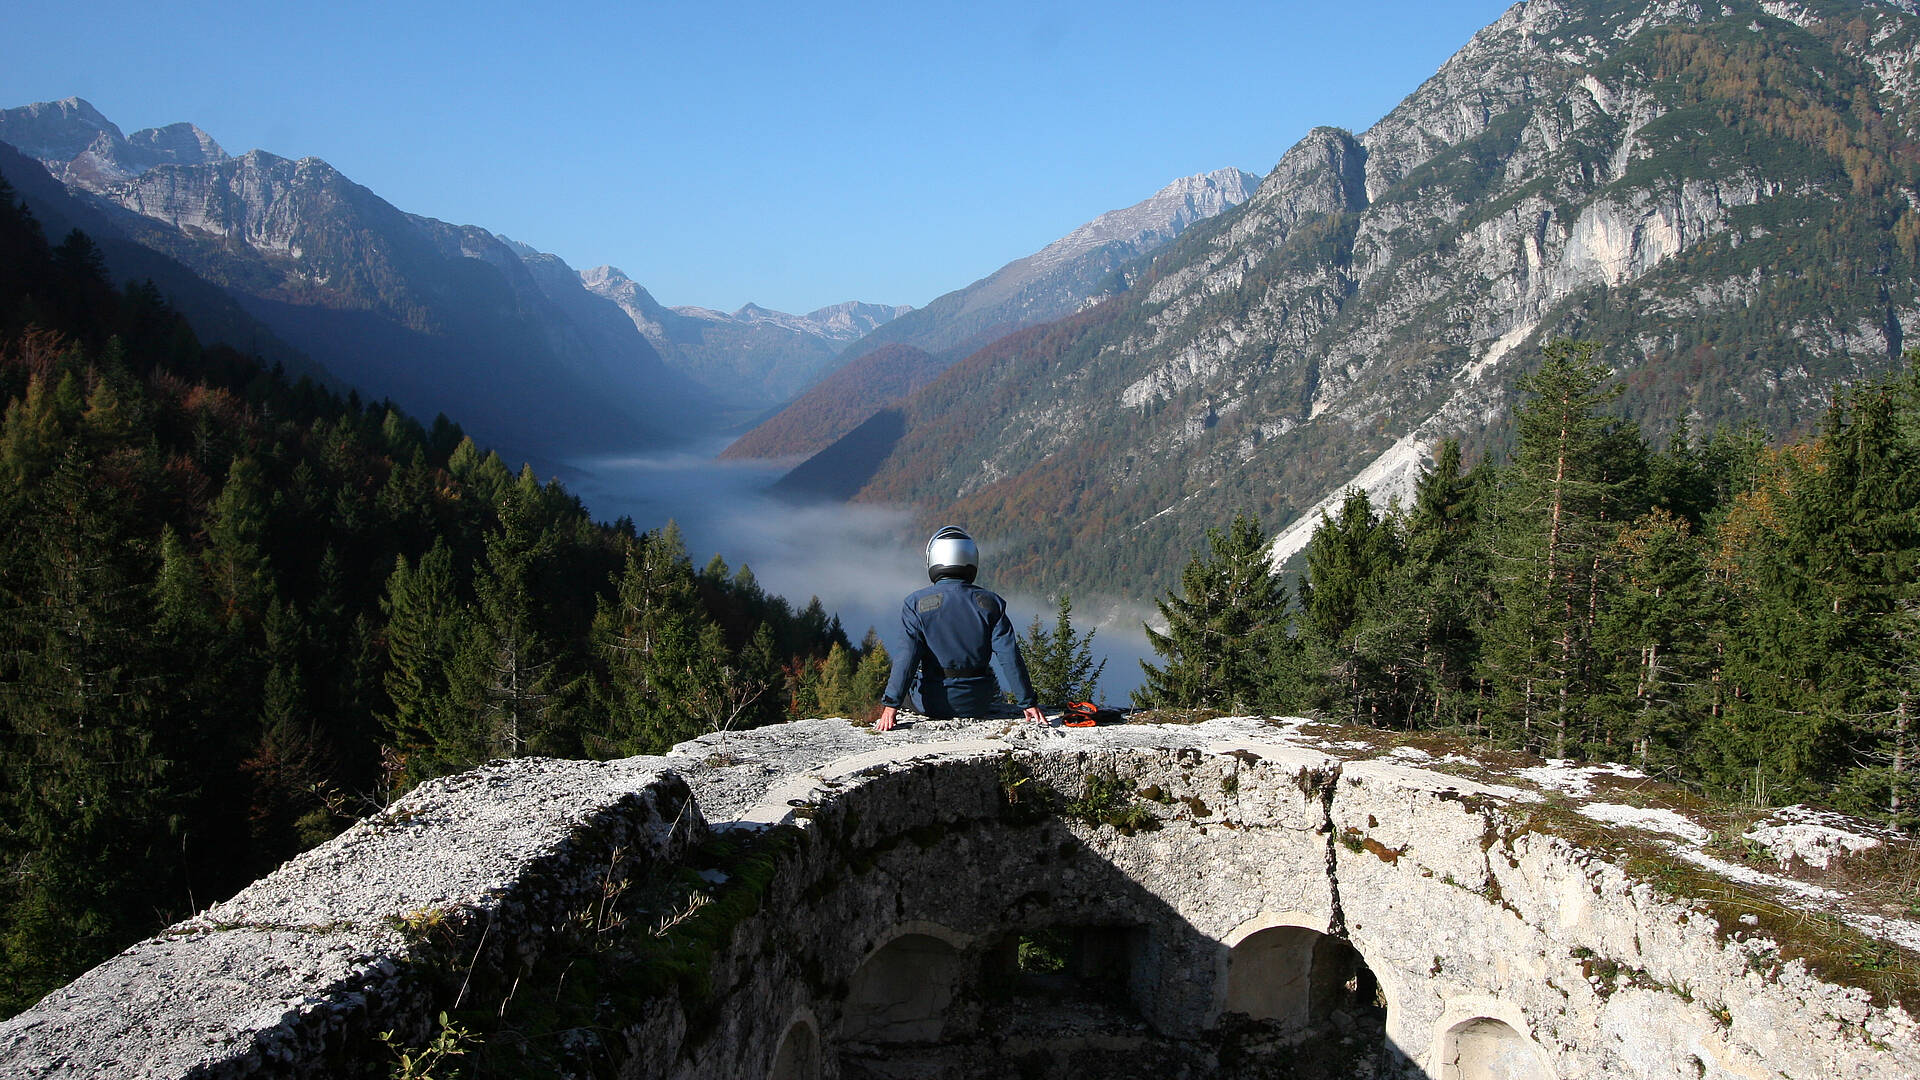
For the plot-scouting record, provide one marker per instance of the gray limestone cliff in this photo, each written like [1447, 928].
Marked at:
[81, 147]
[1081, 268]
[1624, 172]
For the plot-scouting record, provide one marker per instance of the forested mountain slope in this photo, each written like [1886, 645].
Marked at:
[839, 403]
[1721, 194]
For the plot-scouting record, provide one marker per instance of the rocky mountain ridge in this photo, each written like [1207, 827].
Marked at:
[754, 358]
[1059, 279]
[1717, 192]
[1064, 276]
[1150, 222]
[438, 317]
[836, 322]
[83, 148]
[212, 311]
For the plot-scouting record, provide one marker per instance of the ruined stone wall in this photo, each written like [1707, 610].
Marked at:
[1233, 897]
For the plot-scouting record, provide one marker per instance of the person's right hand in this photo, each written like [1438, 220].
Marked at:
[886, 721]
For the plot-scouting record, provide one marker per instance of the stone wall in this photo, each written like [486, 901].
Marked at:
[1240, 897]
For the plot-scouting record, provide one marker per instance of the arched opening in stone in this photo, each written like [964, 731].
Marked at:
[902, 993]
[798, 1057]
[1487, 1049]
[1300, 980]
[1303, 1003]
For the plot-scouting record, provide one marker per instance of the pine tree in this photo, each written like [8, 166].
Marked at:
[835, 690]
[432, 676]
[33, 433]
[289, 767]
[1361, 643]
[870, 676]
[1566, 493]
[1654, 638]
[653, 641]
[730, 691]
[1826, 640]
[1226, 644]
[90, 795]
[1060, 661]
[523, 689]
[235, 557]
[1444, 590]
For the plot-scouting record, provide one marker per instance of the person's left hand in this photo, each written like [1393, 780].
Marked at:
[1033, 713]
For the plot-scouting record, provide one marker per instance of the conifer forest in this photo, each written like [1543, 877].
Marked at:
[1738, 617]
[241, 612]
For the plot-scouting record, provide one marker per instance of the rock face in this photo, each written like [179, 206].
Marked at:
[298, 972]
[975, 899]
[85, 149]
[1617, 171]
[754, 358]
[1088, 263]
[1067, 274]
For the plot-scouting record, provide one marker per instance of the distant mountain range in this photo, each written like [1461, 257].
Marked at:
[1724, 194]
[324, 274]
[438, 317]
[754, 358]
[1088, 263]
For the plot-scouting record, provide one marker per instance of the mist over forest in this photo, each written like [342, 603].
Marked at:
[859, 559]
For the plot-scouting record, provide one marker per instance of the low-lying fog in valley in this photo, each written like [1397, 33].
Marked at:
[860, 560]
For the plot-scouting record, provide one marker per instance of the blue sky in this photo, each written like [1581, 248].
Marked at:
[791, 155]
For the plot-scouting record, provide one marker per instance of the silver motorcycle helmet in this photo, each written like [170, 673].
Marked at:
[952, 553]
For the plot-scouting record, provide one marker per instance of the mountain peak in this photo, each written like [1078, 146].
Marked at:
[1159, 217]
[528, 251]
[176, 144]
[56, 130]
[595, 277]
[80, 146]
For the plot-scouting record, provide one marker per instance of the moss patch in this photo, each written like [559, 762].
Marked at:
[1107, 800]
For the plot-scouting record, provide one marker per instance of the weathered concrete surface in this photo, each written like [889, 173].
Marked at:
[304, 966]
[1266, 868]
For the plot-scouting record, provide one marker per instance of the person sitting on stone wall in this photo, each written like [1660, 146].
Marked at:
[954, 630]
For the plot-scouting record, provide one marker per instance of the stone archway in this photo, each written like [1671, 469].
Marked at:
[901, 993]
[1485, 1048]
[798, 1055]
[1297, 979]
